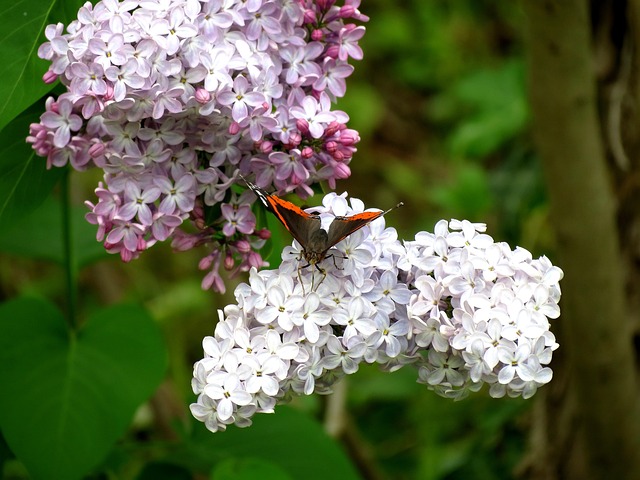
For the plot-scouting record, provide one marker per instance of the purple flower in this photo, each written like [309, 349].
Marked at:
[62, 122]
[310, 111]
[239, 219]
[137, 203]
[177, 198]
[182, 96]
[240, 98]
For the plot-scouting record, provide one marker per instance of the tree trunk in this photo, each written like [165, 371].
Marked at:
[587, 423]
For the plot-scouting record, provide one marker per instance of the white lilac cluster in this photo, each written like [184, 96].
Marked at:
[461, 308]
[174, 99]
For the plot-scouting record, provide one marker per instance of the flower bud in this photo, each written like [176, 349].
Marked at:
[307, 152]
[266, 147]
[317, 35]
[255, 260]
[243, 246]
[332, 51]
[234, 128]
[302, 125]
[205, 262]
[324, 5]
[97, 150]
[229, 262]
[109, 94]
[202, 95]
[294, 139]
[263, 234]
[331, 147]
[347, 11]
[332, 128]
[49, 77]
[126, 255]
[349, 137]
[309, 16]
[341, 171]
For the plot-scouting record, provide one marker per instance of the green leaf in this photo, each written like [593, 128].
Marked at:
[67, 397]
[24, 180]
[39, 236]
[468, 196]
[164, 471]
[289, 439]
[492, 107]
[20, 68]
[248, 469]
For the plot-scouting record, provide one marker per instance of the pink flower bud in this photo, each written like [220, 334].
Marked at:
[307, 152]
[317, 35]
[234, 128]
[294, 139]
[349, 137]
[97, 150]
[126, 255]
[324, 5]
[331, 147]
[49, 77]
[263, 234]
[338, 155]
[332, 51]
[109, 94]
[341, 171]
[229, 262]
[347, 11]
[332, 128]
[243, 246]
[302, 125]
[255, 260]
[205, 262]
[202, 96]
[266, 147]
[309, 16]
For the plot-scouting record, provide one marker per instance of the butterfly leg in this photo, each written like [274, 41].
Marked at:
[334, 256]
[300, 279]
[324, 275]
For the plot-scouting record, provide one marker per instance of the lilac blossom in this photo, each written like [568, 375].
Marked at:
[404, 303]
[183, 97]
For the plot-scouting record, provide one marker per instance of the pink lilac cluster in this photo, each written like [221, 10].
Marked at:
[174, 99]
[461, 308]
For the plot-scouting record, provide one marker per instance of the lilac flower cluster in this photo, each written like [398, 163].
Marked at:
[461, 308]
[174, 99]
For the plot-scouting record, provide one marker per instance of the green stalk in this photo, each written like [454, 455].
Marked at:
[70, 265]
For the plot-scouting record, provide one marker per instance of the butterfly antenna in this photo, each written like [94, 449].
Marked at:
[401, 204]
[245, 180]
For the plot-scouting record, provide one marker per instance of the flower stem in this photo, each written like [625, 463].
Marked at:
[70, 266]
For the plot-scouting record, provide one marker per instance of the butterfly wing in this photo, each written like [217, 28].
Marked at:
[299, 223]
[342, 227]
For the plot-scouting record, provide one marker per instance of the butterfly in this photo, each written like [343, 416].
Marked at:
[306, 227]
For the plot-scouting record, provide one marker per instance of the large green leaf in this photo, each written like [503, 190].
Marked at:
[21, 70]
[288, 439]
[67, 398]
[39, 236]
[24, 180]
